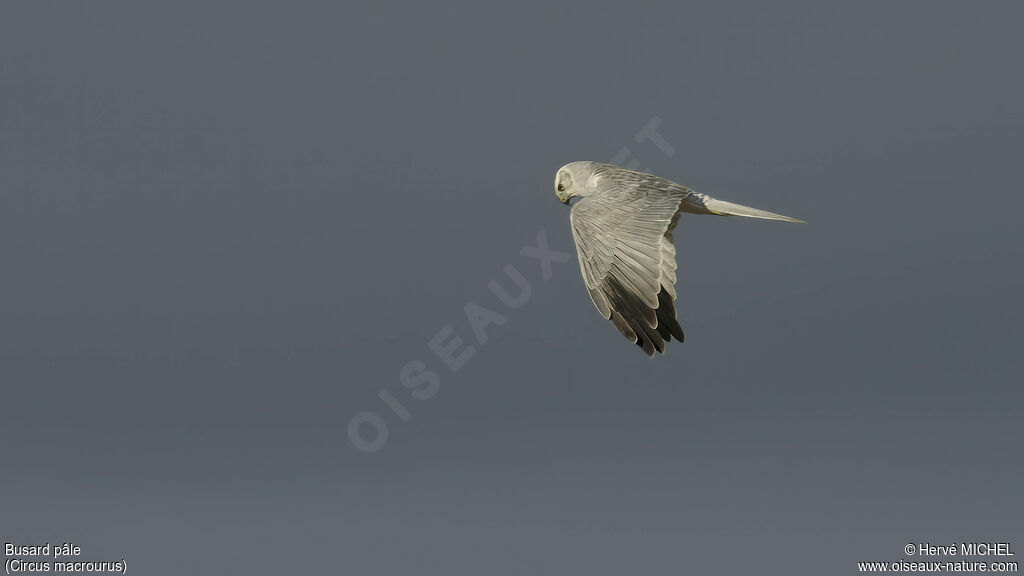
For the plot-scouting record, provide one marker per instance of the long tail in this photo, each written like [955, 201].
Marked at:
[704, 204]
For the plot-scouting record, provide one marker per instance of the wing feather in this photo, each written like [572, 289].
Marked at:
[623, 233]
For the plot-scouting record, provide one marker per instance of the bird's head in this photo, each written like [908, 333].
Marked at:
[571, 180]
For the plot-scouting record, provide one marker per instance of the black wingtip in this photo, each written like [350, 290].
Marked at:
[667, 316]
[649, 328]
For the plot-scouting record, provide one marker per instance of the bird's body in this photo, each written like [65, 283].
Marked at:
[623, 231]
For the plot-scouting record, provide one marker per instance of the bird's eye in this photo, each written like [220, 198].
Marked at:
[561, 188]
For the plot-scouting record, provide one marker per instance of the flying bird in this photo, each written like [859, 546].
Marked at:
[622, 226]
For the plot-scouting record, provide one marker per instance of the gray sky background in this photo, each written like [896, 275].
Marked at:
[225, 227]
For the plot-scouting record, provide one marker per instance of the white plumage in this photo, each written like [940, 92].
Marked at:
[623, 231]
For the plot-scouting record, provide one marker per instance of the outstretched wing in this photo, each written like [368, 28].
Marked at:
[623, 240]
